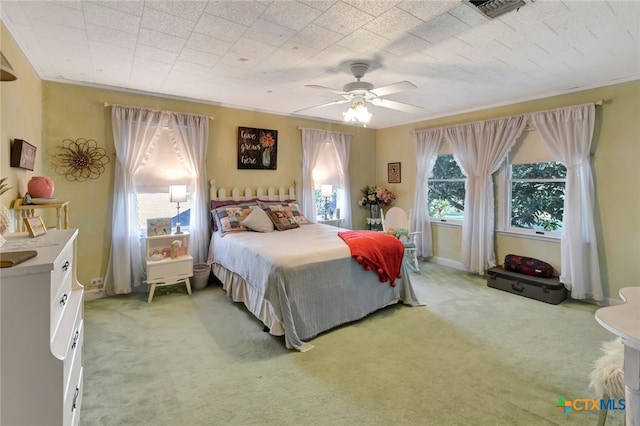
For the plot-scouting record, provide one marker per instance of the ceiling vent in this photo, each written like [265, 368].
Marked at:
[495, 8]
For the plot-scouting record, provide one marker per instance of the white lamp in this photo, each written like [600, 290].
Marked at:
[326, 191]
[178, 194]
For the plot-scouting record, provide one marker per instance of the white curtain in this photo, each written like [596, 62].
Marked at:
[134, 132]
[312, 144]
[427, 146]
[479, 148]
[190, 135]
[568, 132]
[342, 144]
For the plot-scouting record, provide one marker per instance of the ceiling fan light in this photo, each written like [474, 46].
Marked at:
[357, 113]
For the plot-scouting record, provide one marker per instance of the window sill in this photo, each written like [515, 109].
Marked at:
[449, 223]
[548, 238]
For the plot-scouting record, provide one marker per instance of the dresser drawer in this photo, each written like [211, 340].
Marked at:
[60, 301]
[73, 399]
[61, 267]
[74, 349]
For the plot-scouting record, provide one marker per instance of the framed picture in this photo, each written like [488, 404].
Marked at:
[35, 225]
[257, 148]
[393, 172]
[23, 154]
[160, 226]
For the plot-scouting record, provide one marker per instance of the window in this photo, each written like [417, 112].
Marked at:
[161, 168]
[446, 190]
[327, 173]
[534, 188]
[536, 196]
[157, 204]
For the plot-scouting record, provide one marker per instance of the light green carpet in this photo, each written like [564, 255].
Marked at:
[472, 356]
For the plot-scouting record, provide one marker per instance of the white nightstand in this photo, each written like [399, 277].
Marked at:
[167, 270]
[333, 222]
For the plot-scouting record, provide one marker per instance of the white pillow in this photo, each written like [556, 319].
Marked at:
[258, 220]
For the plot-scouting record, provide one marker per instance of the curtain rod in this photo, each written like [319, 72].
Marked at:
[598, 102]
[106, 104]
[322, 130]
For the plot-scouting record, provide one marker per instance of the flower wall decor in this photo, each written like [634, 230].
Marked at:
[376, 196]
[80, 160]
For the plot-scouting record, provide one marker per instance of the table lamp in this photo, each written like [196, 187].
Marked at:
[178, 194]
[326, 191]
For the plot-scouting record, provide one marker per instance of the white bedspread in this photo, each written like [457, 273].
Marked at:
[302, 281]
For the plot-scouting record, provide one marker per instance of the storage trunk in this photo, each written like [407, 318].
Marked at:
[549, 290]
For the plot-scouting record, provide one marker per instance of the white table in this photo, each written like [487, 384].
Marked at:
[624, 321]
[333, 222]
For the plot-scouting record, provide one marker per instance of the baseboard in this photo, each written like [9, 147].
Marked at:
[447, 262]
[93, 294]
[608, 301]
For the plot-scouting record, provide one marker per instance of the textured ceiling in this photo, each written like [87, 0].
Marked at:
[259, 55]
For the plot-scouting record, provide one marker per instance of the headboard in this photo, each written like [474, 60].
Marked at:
[261, 193]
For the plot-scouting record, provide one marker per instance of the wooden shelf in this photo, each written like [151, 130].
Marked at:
[22, 211]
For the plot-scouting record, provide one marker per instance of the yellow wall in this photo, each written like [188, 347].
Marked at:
[617, 150]
[73, 112]
[20, 116]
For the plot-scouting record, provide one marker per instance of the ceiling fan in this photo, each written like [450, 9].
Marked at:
[359, 92]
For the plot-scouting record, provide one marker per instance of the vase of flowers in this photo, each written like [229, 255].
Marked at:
[376, 197]
[374, 211]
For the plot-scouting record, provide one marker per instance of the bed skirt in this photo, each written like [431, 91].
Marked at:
[284, 324]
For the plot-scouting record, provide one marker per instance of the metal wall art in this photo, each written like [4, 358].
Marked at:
[80, 160]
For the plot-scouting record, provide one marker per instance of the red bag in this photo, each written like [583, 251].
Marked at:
[527, 266]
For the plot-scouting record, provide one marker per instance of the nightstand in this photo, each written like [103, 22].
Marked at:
[164, 270]
[333, 222]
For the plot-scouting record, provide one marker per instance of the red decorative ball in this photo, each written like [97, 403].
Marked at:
[393, 284]
[359, 259]
[367, 267]
[380, 271]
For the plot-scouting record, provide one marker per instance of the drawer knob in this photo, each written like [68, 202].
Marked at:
[63, 299]
[65, 266]
[75, 399]
[76, 336]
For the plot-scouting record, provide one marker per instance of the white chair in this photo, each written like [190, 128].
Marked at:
[607, 377]
[399, 223]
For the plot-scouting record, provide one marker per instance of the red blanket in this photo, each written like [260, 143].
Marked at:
[378, 251]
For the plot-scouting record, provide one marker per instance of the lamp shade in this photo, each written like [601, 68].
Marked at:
[177, 193]
[326, 190]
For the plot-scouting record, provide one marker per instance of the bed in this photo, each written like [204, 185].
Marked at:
[299, 282]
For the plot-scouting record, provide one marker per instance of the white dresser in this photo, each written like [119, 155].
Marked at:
[41, 333]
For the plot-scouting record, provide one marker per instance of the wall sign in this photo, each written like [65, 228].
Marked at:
[257, 148]
[23, 154]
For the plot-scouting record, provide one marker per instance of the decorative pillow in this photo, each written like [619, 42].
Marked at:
[282, 221]
[258, 220]
[219, 203]
[230, 218]
[290, 209]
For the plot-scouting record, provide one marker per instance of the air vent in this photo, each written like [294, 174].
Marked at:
[495, 8]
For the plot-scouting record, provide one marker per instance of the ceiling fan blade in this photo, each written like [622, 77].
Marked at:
[400, 86]
[336, 91]
[341, 101]
[400, 106]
